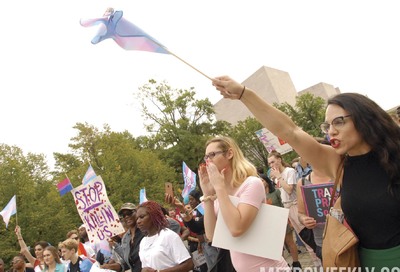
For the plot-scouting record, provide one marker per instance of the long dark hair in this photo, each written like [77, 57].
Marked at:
[377, 129]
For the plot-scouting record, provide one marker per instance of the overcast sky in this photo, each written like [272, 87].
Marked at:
[52, 76]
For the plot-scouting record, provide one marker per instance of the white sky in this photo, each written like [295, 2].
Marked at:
[52, 76]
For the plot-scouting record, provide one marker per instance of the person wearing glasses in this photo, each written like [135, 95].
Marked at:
[365, 141]
[227, 172]
[128, 250]
[19, 265]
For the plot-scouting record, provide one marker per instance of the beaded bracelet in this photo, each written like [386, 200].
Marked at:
[208, 198]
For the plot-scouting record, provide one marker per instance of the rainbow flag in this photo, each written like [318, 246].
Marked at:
[124, 33]
[64, 186]
[9, 210]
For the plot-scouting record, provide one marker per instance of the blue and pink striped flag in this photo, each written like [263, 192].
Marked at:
[142, 196]
[9, 210]
[89, 175]
[64, 186]
[189, 178]
[124, 33]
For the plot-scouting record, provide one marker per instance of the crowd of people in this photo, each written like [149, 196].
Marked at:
[363, 141]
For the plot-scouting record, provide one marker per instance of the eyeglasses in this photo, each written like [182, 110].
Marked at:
[338, 122]
[128, 213]
[15, 262]
[75, 238]
[211, 155]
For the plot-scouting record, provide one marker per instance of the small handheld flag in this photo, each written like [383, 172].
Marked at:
[89, 175]
[189, 178]
[127, 35]
[142, 196]
[9, 210]
[64, 186]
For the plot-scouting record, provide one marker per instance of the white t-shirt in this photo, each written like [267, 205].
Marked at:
[163, 250]
[289, 175]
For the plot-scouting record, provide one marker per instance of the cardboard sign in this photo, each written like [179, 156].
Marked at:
[268, 228]
[271, 142]
[316, 199]
[198, 258]
[99, 216]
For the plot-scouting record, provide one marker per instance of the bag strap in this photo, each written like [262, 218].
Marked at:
[338, 179]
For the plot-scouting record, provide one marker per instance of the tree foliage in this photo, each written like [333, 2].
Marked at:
[178, 123]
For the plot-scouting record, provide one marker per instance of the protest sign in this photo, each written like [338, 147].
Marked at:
[271, 142]
[317, 198]
[99, 216]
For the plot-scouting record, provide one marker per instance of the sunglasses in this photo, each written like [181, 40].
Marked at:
[127, 213]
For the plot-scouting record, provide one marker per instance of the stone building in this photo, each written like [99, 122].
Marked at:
[273, 85]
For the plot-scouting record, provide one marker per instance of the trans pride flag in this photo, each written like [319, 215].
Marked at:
[64, 186]
[142, 196]
[189, 178]
[89, 175]
[124, 33]
[9, 210]
[127, 35]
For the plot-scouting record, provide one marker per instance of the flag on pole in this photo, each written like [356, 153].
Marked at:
[9, 210]
[124, 33]
[142, 196]
[90, 174]
[64, 186]
[127, 35]
[189, 177]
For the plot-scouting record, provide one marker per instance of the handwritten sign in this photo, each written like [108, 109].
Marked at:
[317, 198]
[97, 213]
[271, 142]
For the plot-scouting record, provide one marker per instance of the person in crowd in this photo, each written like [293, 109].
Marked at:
[1, 265]
[52, 262]
[101, 248]
[19, 265]
[36, 262]
[161, 248]
[194, 220]
[284, 177]
[314, 177]
[69, 251]
[172, 223]
[185, 232]
[364, 145]
[83, 249]
[227, 172]
[129, 247]
[273, 197]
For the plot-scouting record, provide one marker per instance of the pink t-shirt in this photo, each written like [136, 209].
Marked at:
[252, 192]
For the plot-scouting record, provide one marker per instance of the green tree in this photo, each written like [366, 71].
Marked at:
[308, 113]
[178, 123]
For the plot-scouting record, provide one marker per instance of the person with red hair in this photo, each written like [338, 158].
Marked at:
[161, 248]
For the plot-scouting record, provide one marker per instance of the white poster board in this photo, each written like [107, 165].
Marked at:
[271, 142]
[99, 216]
[264, 238]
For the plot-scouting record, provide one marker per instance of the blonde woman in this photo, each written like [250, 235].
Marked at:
[227, 172]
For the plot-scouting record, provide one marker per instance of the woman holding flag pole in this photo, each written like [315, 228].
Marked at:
[38, 262]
